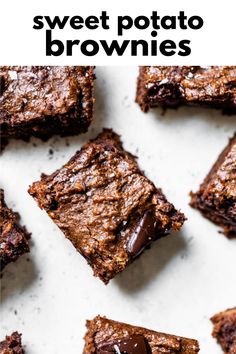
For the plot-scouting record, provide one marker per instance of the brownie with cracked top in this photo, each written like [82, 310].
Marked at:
[14, 239]
[224, 330]
[106, 336]
[105, 205]
[216, 198]
[42, 101]
[12, 344]
[173, 86]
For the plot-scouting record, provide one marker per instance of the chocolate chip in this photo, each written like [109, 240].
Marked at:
[136, 344]
[144, 233]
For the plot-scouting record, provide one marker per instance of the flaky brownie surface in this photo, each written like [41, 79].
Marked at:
[216, 198]
[42, 101]
[12, 344]
[172, 86]
[14, 239]
[105, 205]
[105, 336]
[224, 330]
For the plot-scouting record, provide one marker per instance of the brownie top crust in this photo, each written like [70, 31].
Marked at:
[31, 92]
[14, 239]
[224, 330]
[217, 194]
[12, 344]
[105, 205]
[106, 336]
[175, 85]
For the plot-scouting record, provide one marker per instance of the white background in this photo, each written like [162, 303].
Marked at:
[21, 44]
[176, 286]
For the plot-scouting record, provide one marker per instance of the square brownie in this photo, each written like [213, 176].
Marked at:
[12, 344]
[216, 198]
[105, 336]
[42, 101]
[173, 86]
[14, 238]
[105, 205]
[225, 330]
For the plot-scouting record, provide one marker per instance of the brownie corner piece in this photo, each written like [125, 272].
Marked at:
[106, 336]
[105, 205]
[14, 238]
[42, 101]
[173, 86]
[224, 330]
[216, 197]
[12, 344]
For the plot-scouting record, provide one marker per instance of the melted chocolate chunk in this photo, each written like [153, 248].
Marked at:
[145, 232]
[136, 344]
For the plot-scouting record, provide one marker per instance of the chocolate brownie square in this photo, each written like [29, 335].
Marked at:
[225, 330]
[173, 86]
[14, 239]
[216, 198]
[105, 336]
[105, 205]
[12, 344]
[42, 101]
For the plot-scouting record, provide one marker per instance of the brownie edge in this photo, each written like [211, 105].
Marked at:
[224, 330]
[14, 238]
[216, 197]
[12, 344]
[106, 336]
[106, 206]
[174, 86]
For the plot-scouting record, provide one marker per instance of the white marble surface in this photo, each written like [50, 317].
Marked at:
[174, 287]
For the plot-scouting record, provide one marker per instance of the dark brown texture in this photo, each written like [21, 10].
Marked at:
[216, 198]
[42, 101]
[173, 86]
[12, 344]
[100, 199]
[225, 330]
[13, 237]
[101, 331]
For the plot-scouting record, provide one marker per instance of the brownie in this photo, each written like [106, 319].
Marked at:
[42, 101]
[216, 198]
[105, 205]
[225, 330]
[12, 344]
[14, 239]
[105, 336]
[173, 86]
